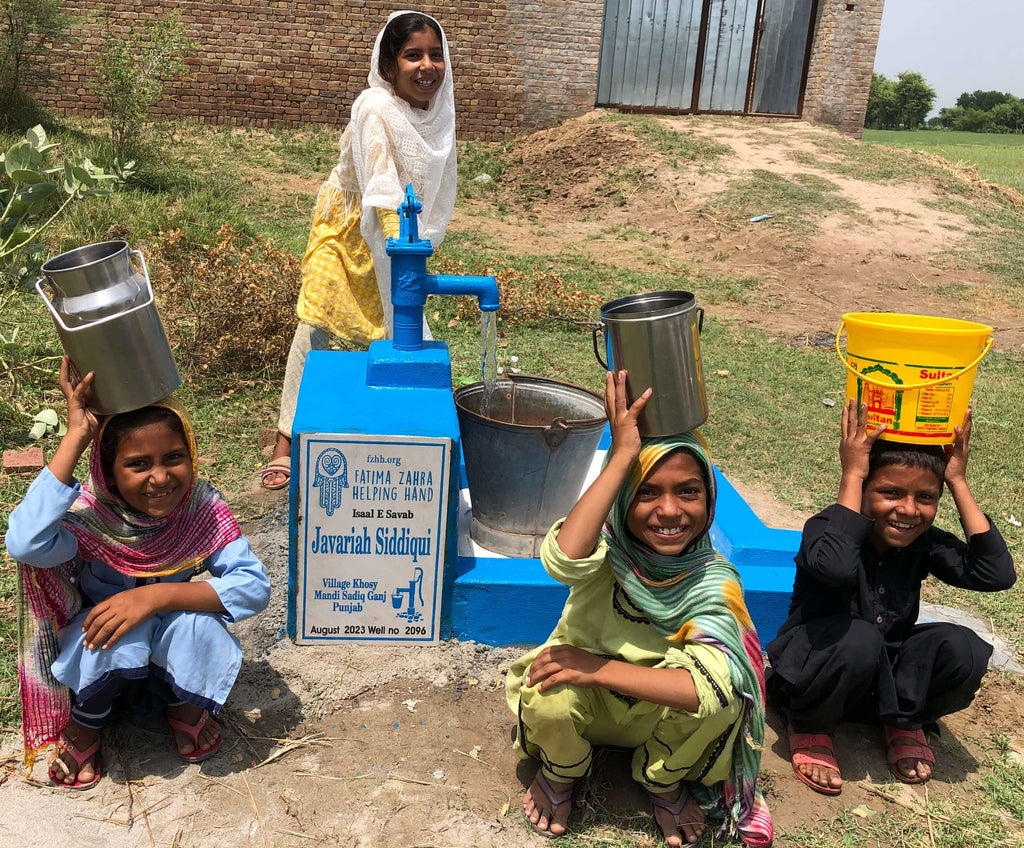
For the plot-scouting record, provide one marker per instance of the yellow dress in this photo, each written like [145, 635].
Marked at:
[339, 291]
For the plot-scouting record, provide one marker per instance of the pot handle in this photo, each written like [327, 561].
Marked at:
[598, 329]
[910, 386]
[700, 321]
[145, 270]
[53, 312]
[60, 321]
[556, 434]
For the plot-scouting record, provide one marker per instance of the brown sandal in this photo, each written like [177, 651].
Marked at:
[281, 465]
[555, 799]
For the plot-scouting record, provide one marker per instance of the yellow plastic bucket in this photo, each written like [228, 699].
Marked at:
[915, 372]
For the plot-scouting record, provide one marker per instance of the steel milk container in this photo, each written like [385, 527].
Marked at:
[107, 321]
[655, 336]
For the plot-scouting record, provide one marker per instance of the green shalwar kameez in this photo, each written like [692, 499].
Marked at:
[559, 726]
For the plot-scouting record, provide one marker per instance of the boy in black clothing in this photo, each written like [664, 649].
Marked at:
[851, 649]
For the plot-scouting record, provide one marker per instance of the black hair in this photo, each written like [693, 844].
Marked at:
[885, 453]
[396, 33]
[118, 426]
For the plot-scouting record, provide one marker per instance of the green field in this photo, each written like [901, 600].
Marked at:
[999, 158]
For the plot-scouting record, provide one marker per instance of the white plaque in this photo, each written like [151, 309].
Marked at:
[372, 515]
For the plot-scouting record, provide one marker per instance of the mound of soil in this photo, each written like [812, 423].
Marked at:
[612, 195]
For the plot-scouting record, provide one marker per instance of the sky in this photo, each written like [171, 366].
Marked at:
[958, 45]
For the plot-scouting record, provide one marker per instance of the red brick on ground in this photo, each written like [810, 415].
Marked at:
[23, 461]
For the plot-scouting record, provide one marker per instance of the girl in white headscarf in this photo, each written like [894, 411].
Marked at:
[402, 131]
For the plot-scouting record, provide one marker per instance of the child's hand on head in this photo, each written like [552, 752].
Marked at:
[622, 417]
[855, 452]
[957, 453]
[82, 421]
[855, 441]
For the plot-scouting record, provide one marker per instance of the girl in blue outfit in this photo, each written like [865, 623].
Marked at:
[107, 604]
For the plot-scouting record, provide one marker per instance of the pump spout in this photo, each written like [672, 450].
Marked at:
[410, 282]
[484, 289]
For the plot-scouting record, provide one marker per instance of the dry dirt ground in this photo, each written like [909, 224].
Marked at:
[372, 746]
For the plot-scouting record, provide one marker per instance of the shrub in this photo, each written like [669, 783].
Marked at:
[27, 28]
[33, 194]
[132, 72]
[228, 307]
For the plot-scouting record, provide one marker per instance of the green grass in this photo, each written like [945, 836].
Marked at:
[795, 204]
[677, 146]
[999, 158]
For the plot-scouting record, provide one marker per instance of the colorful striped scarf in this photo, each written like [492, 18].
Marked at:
[136, 545]
[698, 597]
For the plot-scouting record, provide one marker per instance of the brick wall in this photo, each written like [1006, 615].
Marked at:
[518, 64]
[842, 58]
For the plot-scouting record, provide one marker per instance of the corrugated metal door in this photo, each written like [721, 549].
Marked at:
[697, 55]
[781, 56]
[729, 40]
[649, 53]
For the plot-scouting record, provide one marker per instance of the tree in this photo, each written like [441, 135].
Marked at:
[949, 115]
[881, 112]
[983, 100]
[1009, 114]
[974, 120]
[132, 72]
[27, 28]
[914, 99]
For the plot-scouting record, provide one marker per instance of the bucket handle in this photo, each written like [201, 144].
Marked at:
[60, 321]
[599, 329]
[556, 433]
[913, 386]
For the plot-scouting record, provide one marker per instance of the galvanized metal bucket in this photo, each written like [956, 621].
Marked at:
[526, 462]
[107, 322]
[655, 336]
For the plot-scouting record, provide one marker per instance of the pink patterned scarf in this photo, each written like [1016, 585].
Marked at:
[133, 544]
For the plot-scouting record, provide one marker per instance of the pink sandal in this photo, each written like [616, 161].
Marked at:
[193, 730]
[79, 758]
[799, 755]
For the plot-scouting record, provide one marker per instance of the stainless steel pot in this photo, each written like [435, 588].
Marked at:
[107, 321]
[655, 336]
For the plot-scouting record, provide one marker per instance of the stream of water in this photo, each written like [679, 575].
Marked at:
[488, 358]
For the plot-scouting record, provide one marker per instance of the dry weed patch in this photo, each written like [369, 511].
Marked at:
[228, 307]
[529, 298]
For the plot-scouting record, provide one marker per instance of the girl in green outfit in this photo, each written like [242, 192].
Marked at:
[654, 651]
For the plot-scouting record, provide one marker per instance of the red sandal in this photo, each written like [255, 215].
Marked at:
[800, 756]
[896, 751]
[79, 758]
